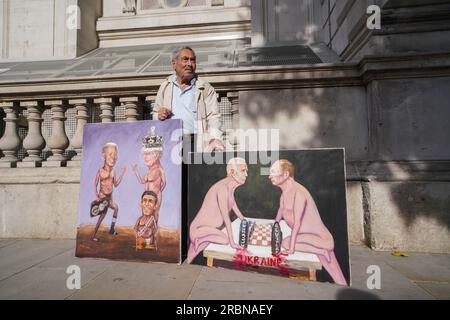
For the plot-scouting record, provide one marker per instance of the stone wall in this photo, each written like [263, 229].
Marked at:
[39, 203]
[229, 19]
[43, 203]
[406, 26]
[395, 131]
[311, 117]
[37, 29]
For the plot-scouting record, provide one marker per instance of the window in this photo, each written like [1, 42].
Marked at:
[170, 4]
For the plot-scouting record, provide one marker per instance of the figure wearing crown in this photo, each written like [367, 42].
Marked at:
[154, 180]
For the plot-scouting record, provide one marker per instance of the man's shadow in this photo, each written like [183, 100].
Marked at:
[355, 294]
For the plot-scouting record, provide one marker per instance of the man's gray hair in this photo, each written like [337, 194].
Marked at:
[175, 53]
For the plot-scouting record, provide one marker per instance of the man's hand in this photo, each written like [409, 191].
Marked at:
[234, 245]
[216, 145]
[164, 114]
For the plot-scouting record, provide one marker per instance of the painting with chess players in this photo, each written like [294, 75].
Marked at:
[129, 171]
[282, 213]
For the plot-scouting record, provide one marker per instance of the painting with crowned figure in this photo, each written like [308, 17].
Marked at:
[130, 192]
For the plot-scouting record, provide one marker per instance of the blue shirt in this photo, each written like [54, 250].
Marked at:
[184, 106]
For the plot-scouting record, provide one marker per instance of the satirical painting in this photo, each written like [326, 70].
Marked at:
[130, 192]
[283, 214]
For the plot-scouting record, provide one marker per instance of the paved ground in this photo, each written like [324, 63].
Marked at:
[36, 269]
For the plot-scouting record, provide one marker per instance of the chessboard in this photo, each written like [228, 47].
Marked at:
[261, 235]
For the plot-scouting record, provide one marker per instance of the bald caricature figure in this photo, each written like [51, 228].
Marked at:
[215, 211]
[299, 211]
[107, 179]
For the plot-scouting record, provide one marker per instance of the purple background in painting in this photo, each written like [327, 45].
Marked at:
[128, 137]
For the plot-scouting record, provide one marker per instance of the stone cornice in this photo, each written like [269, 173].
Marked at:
[67, 175]
[170, 18]
[248, 78]
[173, 32]
[398, 66]
[398, 171]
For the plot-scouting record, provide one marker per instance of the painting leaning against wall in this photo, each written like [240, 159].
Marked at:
[128, 173]
[286, 218]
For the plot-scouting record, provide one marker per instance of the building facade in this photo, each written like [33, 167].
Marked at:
[314, 70]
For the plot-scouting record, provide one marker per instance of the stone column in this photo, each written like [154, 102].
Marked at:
[34, 142]
[10, 142]
[107, 108]
[131, 108]
[58, 141]
[77, 140]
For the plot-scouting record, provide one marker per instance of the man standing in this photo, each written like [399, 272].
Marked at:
[299, 211]
[184, 96]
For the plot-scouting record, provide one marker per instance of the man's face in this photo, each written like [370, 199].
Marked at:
[110, 156]
[150, 158]
[277, 176]
[185, 64]
[148, 204]
[240, 173]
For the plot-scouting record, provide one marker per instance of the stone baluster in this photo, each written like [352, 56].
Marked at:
[233, 97]
[132, 107]
[34, 142]
[10, 142]
[150, 100]
[77, 140]
[58, 141]
[107, 108]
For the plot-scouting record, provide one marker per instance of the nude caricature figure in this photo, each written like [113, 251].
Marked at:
[215, 211]
[108, 180]
[299, 211]
[155, 179]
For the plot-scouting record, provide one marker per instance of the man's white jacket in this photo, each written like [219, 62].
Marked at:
[208, 114]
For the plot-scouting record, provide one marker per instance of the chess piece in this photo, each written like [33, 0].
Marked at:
[243, 233]
[277, 238]
[251, 230]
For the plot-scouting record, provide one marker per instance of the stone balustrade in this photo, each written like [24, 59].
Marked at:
[35, 145]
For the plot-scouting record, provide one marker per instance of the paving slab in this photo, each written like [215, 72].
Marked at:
[422, 267]
[206, 289]
[25, 254]
[48, 280]
[393, 284]
[36, 284]
[154, 281]
[229, 275]
[36, 269]
[439, 290]
[7, 242]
